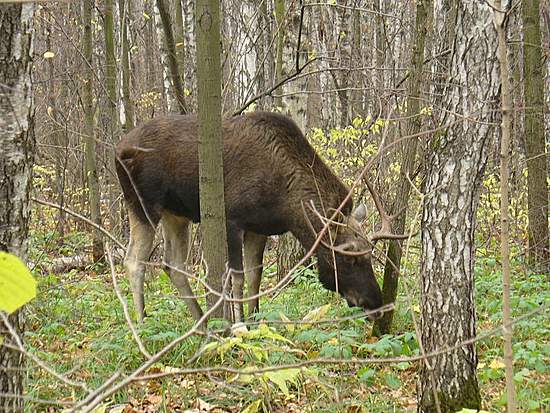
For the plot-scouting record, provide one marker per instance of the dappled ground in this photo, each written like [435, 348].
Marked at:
[76, 325]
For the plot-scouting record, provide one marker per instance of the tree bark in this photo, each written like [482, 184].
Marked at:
[506, 126]
[90, 142]
[16, 158]
[534, 139]
[210, 146]
[175, 73]
[279, 19]
[401, 201]
[456, 160]
[180, 42]
[111, 114]
[289, 252]
[124, 8]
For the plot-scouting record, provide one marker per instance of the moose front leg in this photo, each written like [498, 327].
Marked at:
[235, 256]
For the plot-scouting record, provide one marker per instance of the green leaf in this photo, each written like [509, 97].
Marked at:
[392, 381]
[280, 378]
[17, 285]
[366, 375]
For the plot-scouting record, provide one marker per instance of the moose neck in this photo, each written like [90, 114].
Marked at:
[306, 235]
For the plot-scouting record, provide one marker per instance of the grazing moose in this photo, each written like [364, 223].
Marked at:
[274, 182]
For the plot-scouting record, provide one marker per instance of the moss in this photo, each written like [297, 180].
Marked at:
[468, 398]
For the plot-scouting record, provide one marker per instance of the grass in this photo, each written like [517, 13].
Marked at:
[77, 326]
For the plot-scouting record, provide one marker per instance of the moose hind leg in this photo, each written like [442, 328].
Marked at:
[142, 235]
[254, 245]
[176, 232]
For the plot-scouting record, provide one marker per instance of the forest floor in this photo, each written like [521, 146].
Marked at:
[76, 325]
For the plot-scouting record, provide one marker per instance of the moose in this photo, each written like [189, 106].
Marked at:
[274, 182]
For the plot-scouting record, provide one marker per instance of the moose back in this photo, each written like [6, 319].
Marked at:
[274, 182]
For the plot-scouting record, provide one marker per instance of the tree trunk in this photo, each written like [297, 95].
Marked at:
[90, 142]
[58, 137]
[180, 42]
[175, 71]
[456, 161]
[279, 19]
[16, 159]
[124, 9]
[393, 260]
[210, 145]
[506, 126]
[537, 163]
[111, 114]
[289, 252]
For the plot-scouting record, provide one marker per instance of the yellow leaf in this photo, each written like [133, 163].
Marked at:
[102, 408]
[17, 285]
[496, 364]
[253, 407]
[289, 327]
[316, 314]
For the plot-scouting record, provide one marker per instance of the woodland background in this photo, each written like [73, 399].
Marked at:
[370, 82]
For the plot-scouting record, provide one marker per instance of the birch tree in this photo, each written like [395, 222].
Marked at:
[455, 165]
[16, 158]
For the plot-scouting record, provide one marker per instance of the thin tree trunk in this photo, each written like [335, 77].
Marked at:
[401, 201]
[279, 18]
[175, 73]
[534, 139]
[180, 42]
[171, 103]
[59, 138]
[506, 126]
[16, 159]
[125, 62]
[90, 142]
[289, 252]
[210, 145]
[111, 110]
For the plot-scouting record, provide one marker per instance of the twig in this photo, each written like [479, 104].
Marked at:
[81, 217]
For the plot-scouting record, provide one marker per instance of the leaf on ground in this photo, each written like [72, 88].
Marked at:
[253, 407]
[289, 327]
[316, 314]
[281, 377]
[102, 408]
[392, 381]
[496, 364]
[17, 285]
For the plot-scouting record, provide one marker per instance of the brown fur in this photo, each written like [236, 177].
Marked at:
[270, 170]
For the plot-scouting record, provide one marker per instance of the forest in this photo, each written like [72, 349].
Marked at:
[274, 206]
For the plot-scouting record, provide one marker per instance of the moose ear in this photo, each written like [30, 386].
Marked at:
[359, 213]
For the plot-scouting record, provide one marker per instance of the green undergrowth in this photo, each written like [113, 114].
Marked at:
[76, 325]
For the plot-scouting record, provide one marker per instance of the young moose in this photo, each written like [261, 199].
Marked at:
[274, 182]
